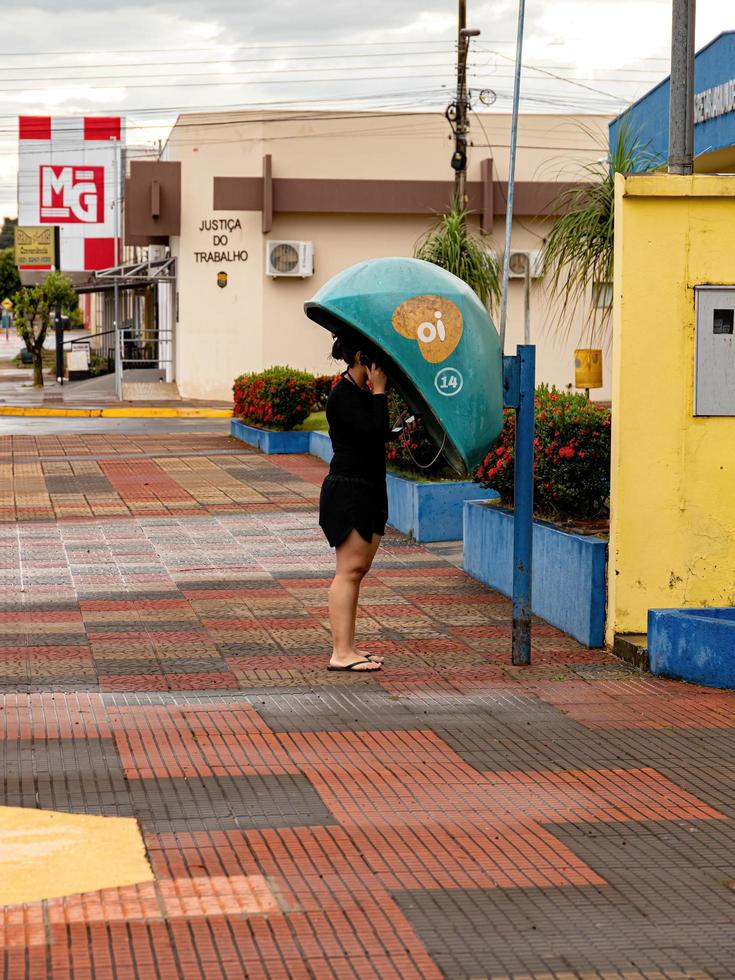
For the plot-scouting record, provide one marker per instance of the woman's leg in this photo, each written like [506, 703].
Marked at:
[354, 558]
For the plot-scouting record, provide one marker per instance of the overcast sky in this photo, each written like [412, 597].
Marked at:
[148, 61]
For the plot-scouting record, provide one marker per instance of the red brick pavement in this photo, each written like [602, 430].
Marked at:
[163, 635]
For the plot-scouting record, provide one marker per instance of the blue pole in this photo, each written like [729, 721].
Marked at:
[523, 517]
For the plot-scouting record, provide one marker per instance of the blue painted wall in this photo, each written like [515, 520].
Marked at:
[431, 511]
[320, 445]
[428, 511]
[568, 570]
[648, 118]
[273, 443]
[696, 645]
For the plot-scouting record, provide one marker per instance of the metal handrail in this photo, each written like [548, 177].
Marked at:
[85, 340]
[146, 337]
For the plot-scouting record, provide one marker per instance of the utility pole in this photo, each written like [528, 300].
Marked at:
[681, 97]
[457, 114]
[512, 171]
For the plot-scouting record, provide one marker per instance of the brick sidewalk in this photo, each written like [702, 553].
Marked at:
[163, 636]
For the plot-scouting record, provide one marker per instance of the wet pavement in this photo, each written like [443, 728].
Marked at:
[163, 642]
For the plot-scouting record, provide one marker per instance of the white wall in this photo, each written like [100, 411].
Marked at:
[256, 321]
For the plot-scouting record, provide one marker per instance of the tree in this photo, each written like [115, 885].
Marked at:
[7, 235]
[34, 312]
[578, 251]
[9, 276]
[452, 247]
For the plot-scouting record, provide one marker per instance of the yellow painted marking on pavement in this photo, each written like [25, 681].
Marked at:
[46, 854]
[40, 411]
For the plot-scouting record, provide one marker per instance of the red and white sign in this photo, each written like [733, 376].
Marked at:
[66, 177]
[72, 194]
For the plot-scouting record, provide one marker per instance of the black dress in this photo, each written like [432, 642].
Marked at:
[354, 494]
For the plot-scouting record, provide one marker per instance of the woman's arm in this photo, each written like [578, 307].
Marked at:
[357, 414]
[379, 382]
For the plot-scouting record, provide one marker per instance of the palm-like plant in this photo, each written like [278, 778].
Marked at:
[450, 245]
[577, 254]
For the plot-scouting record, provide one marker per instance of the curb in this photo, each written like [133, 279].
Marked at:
[40, 411]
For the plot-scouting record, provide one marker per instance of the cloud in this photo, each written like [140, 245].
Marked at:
[588, 42]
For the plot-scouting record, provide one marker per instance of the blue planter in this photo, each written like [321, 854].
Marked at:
[427, 511]
[696, 645]
[268, 441]
[568, 570]
[431, 511]
[321, 445]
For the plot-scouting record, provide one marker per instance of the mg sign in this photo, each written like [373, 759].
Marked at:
[67, 177]
[72, 195]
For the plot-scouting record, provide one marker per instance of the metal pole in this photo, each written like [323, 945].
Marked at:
[681, 96]
[59, 340]
[58, 331]
[119, 348]
[527, 302]
[119, 351]
[512, 172]
[523, 508]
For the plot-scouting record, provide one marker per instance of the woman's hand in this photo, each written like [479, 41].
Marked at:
[378, 379]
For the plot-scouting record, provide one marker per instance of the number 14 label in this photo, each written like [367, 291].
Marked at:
[448, 382]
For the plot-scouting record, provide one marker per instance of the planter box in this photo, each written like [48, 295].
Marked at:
[696, 645]
[427, 511]
[268, 441]
[568, 588]
[431, 511]
[321, 445]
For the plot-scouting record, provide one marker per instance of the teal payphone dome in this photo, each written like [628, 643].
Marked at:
[442, 351]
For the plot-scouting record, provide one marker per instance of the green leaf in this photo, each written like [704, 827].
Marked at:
[450, 245]
[578, 251]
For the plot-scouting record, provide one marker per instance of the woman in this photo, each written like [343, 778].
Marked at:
[353, 506]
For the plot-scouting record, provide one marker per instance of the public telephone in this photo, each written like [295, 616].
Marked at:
[441, 347]
[714, 362]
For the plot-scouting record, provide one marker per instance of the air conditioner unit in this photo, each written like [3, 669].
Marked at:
[156, 253]
[289, 259]
[518, 260]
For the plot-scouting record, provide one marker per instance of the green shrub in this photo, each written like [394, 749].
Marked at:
[571, 456]
[278, 398]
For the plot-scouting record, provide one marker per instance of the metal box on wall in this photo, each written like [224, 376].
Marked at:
[714, 360]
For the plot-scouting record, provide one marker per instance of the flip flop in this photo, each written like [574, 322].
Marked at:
[358, 663]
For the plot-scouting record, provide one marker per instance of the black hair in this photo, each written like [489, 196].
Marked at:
[346, 345]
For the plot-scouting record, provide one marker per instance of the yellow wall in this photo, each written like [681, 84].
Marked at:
[672, 535]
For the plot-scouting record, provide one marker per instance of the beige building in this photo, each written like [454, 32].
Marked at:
[352, 186]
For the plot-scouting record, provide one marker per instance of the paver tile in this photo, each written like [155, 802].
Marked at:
[163, 643]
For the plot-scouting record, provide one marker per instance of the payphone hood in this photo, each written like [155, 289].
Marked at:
[442, 351]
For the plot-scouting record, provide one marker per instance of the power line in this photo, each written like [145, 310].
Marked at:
[259, 72]
[494, 73]
[278, 81]
[263, 45]
[227, 61]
